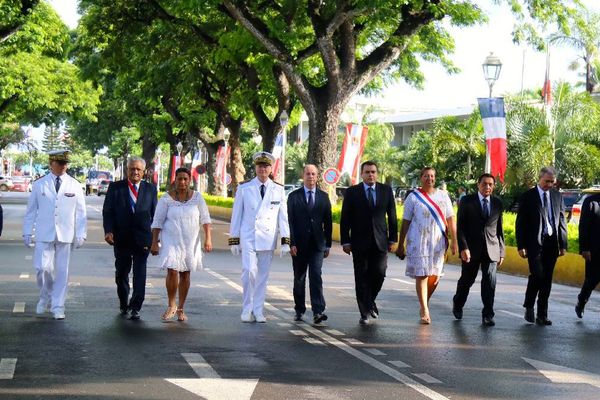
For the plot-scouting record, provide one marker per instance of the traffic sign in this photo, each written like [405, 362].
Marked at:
[331, 176]
[200, 169]
[228, 179]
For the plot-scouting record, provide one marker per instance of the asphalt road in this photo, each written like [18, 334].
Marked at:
[96, 354]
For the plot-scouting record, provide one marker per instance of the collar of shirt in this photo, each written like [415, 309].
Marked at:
[541, 194]
[366, 187]
[266, 183]
[135, 185]
[481, 197]
[306, 190]
[56, 176]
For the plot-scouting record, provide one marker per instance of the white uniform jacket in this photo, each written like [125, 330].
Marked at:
[256, 222]
[56, 216]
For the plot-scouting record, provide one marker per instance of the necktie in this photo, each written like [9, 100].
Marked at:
[547, 227]
[486, 210]
[311, 200]
[57, 184]
[262, 191]
[370, 197]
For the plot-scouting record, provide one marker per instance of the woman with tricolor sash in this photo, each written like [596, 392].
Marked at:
[427, 220]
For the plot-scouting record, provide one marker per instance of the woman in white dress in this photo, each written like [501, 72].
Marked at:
[427, 220]
[176, 225]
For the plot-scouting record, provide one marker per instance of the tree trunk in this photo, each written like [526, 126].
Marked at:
[148, 154]
[236, 163]
[214, 187]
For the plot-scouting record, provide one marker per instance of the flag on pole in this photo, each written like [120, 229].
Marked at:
[277, 153]
[195, 163]
[494, 127]
[352, 150]
[221, 170]
[547, 88]
[177, 162]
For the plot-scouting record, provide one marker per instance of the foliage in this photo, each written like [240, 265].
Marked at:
[295, 159]
[52, 139]
[218, 201]
[379, 149]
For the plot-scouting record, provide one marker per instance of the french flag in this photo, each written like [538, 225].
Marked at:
[352, 150]
[494, 127]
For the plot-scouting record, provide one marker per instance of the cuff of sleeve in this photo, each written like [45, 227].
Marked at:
[234, 241]
[285, 240]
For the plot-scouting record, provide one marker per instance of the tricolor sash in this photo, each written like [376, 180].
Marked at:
[133, 195]
[434, 209]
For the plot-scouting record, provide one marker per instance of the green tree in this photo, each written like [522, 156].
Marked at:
[13, 15]
[379, 148]
[52, 139]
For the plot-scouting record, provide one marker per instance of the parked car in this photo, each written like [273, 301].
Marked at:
[103, 187]
[576, 209]
[289, 188]
[6, 183]
[93, 179]
[21, 184]
[400, 193]
[570, 197]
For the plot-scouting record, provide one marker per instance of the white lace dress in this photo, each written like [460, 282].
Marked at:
[180, 235]
[425, 243]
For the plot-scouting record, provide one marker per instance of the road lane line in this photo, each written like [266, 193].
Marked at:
[428, 378]
[19, 307]
[353, 341]
[335, 332]
[376, 352]
[403, 281]
[314, 341]
[24, 276]
[29, 258]
[511, 313]
[298, 332]
[7, 368]
[367, 359]
[284, 324]
[399, 364]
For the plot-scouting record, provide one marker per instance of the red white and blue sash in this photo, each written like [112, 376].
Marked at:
[434, 209]
[133, 195]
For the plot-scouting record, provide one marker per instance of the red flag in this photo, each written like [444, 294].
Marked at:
[352, 150]
[547, 88]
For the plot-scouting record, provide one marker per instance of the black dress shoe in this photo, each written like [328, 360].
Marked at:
[135, 315]
[363, 321]
[123, 311]
[488, 321]
[298, 317]
[318, 318]
[374, 311]
[458, 312]
[529, 315]
[579, 309]
[543, 321]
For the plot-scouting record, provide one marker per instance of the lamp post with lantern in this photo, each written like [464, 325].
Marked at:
[491, 72]
[226, 136]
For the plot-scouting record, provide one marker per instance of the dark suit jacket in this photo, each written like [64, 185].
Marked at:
[475, 233]
[362, 224]
[1, 219]
[305, 223]
[129, 228]
[589, 226]
[529, 221]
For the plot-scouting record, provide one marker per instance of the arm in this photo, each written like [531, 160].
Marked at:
[291, 221]
[520, 225]
[461, 226]
[154, 248]
[31, 212]
[206, 224]
[585, 230]
[107, 214]
[345, 222]
[236, 218]
[401, 251]
[452, 228]
[160, 215]
[80, 217]
[284, 227]
[562, 228]
[392, 220]
[327, 223]
[500, 233]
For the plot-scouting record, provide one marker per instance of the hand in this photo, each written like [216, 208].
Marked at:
[208, 246]
[465, 255]
[79, 242]
[293, 251]
[27, 240]
[235, 249]
[562, 252]
[523, 253]
[501, 261]
[154, 249]
[326, 253]
[347, 248]
[285, 248]
[108, 238]
[401, 252]
[587, 255]
[391, 247]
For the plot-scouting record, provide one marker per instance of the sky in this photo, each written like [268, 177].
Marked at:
[473, 45]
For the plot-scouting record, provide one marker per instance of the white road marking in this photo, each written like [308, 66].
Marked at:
[376, 352]
[428, 378]
[511, 313]
[24, 276]
[226, 233]
[210, 385]
[29, 257]
[19, 307]
[290, 309]
[335, 332]
[353, 341]
[314, 341]
[72, 284]
[207, 286]
[149, 285]
[399, 364]
[7, 368]
[298, 332]
[280, 293]
[284, 324]
[367, 359]
[560, 374]
[403, 281]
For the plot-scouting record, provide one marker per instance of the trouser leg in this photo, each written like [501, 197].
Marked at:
[592, 278]
[62, 254]
[43, 262]
[123, 260]
[262, 277]
[536, 276]
[315, 264]
[488, 287]
[300, 265]
[361, 283]
[377, 269]
[548, 262]
[468, 275]
[249, 271]
[140, 256]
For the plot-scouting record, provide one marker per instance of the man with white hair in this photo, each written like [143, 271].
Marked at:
[56, 209]
[127, 216]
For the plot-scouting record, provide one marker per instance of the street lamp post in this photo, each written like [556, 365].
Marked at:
[226, 135]
[491, 70]
[283, 122]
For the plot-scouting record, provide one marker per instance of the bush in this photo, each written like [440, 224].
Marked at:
[218, 201]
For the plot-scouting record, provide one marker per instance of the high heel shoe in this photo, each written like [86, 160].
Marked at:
[169, 313]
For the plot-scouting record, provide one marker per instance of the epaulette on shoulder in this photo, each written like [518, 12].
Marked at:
[244, 182]
[277, 183]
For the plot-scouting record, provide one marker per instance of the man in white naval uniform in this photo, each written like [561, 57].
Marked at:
[56, 208]
[259, 215]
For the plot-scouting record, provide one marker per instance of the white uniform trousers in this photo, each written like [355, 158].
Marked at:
[51, 262]
[255, 274]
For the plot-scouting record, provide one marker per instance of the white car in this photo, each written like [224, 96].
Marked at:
[6, 183]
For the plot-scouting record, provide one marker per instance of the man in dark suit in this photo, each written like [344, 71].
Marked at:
[589, 247]
[541, 232]
[127, 214]
[481, 245]
[309, 216]
[365, 234]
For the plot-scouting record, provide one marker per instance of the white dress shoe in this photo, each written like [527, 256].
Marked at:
[260, 319]
[41, 308]
[248, 317]
[59, 315]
